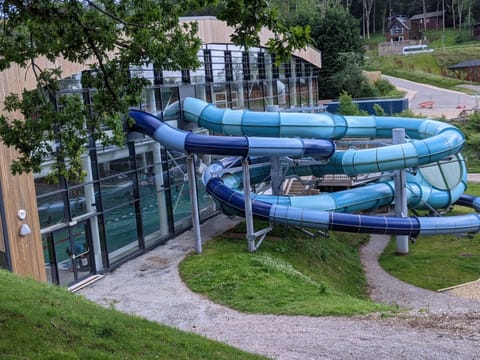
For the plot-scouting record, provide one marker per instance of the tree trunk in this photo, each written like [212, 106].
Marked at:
[424, 17]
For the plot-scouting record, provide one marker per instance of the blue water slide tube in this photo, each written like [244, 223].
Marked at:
[431, 140]
[444, 141]
[307, 213]
[420, 192]
[228, 145]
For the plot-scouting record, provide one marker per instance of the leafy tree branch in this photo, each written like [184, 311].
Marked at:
[108, 37]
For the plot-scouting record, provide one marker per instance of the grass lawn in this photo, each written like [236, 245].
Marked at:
[437, 262]
[290, 274]
[40, 321]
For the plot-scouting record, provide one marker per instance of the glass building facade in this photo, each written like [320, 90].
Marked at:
[136, 197]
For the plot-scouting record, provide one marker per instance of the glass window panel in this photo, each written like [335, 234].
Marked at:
[220, 96]
[283, 93]
[121, 232]
[49, 256]
[51, 209]
[61, 244]
[77, 201]
[43, 187]
[148, 194]
[205, 203]
[68, 256]
[237, 65]
[256, 96]
[172, 77]
[115, 167]
[253, 64]
[218, 66]
[117, 190]
[198, 76]
[270, 91]
[203, 92]
[149, 100]
[179, 187]
[169, 95]
[238, 100]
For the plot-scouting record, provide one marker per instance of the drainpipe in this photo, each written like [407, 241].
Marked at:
[6, 240]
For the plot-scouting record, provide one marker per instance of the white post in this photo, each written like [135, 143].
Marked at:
[160, 187]
[194, 201]
[401, 210]
[91, 207]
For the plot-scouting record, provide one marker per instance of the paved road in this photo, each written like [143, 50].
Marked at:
[445, 102]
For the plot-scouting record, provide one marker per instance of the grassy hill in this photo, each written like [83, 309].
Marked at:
[40, 321]
[431, 68]
[291, 273]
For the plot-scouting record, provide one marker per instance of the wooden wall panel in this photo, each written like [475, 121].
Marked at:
[26, 252]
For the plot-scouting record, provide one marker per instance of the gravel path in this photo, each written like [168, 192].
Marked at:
[437, 326]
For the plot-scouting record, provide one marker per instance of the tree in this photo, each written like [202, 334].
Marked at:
[367, 9]
[336, 34]
[114, 35]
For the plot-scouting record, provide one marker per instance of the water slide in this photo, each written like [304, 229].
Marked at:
[436, 171]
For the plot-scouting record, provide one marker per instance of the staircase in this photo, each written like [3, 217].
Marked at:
[297, 187]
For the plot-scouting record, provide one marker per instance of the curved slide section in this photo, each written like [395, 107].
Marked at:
[228, 145]
[332, 220]
[421, 194]
[432, 141]
[436, 140]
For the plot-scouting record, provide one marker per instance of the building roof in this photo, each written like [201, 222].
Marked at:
[399, 20]
[465, 64]
[427, 15]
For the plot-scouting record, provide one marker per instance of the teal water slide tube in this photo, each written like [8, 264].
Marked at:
[438, 176]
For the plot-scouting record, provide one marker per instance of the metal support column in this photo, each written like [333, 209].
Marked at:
[194, 202]
[252, 235]
[248, 206]
[276, 176]
[401, 210]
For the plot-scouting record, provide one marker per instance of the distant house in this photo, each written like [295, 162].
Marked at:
[398, 29]
[402, 28]
[428, 21]
[476, 31]
[468, 70]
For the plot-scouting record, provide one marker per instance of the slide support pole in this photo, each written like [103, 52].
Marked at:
[248, 206]
[401, 210]
[194, 203]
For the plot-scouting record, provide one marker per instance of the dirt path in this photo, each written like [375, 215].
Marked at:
[438, 326]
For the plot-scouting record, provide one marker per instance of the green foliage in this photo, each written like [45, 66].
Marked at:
[290, 274]
[336, 34]
[248, 18]
[383, 87]
[39, 321]
[472, 135]
[378, 110]
[108, 37]
[348, 107]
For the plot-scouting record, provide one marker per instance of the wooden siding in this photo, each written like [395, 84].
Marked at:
[26, 252]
